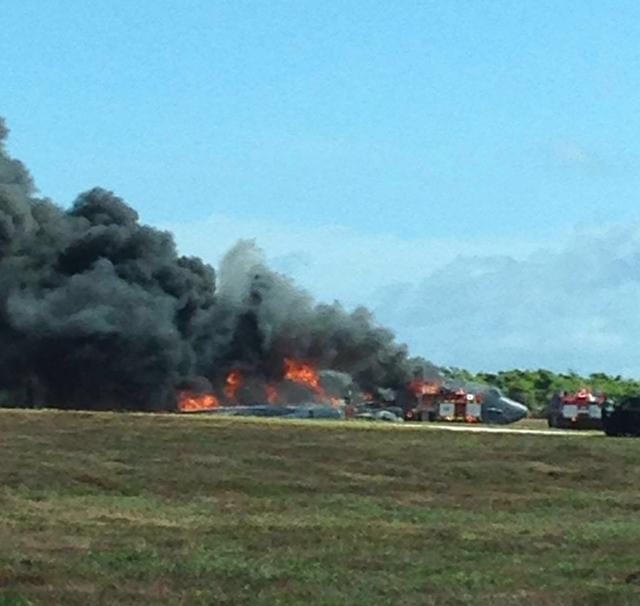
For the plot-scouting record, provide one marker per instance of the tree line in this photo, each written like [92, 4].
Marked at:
[534, 388]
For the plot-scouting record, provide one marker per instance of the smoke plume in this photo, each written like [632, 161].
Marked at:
[98, 311]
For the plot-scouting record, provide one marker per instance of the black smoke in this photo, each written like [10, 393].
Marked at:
[100, 312]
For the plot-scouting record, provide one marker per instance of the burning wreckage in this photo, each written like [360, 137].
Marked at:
[419, 400]
[98, 311]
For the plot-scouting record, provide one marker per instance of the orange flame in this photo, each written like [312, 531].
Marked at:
[272, 393]
[190, 402]
[305, 374]
[420, 387]
[233, 382]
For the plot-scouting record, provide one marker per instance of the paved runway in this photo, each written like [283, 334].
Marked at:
[503, 429]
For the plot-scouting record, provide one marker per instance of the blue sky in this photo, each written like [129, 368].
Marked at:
[365, 145]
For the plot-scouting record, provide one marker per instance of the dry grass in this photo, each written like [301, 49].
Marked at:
[144, 509]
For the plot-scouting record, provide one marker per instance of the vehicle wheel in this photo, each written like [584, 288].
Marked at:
[612, 432]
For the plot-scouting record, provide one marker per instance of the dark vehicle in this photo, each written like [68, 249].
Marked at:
[623, 418]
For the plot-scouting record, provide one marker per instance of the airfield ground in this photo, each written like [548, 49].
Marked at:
[162, 509]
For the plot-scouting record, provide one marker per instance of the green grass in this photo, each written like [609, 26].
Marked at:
[153, 509]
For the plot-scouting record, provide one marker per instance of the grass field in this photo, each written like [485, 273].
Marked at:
[135, 509]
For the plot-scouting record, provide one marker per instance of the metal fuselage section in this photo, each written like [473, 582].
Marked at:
[285, 411]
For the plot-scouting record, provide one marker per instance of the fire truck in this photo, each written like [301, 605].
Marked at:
[454, 403]
[576, 410]
[438, 403]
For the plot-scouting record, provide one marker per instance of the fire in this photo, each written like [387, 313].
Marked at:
[420, 387]
[232, 384]
[190, 402]
[271, 393]
[305, 374]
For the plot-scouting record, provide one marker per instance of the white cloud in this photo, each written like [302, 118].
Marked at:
[570, 152]
[574, 157]
[573, 302]
[331, 261]
[574, 308]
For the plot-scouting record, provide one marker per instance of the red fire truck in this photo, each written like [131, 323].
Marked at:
[438, 403]
[576, 410]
